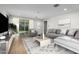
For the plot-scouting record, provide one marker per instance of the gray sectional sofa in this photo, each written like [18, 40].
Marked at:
[69, 41]
[53, 33]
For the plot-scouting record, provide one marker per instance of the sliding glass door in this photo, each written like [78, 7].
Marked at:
[23, 25]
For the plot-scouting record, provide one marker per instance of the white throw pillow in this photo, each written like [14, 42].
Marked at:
[63, 31]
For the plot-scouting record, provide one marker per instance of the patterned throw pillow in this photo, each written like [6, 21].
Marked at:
[63, 31]
[71, 32]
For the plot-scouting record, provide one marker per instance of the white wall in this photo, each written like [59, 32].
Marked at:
[38, 25]
[74, 17]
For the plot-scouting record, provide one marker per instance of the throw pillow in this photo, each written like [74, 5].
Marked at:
[71, 32]
[77, 35]
[63, 31]
[58, 31]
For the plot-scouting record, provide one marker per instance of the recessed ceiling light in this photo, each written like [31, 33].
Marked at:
[56, 5]
[65, 9]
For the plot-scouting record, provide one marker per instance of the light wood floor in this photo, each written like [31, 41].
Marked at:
[17, 47]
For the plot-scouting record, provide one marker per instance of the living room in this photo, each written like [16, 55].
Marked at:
[40, 28]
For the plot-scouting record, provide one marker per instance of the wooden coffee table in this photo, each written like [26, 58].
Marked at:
[43, 42]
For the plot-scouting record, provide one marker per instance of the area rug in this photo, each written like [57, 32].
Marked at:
[34, 48]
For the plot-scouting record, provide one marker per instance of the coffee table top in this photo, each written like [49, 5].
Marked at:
[39, 38]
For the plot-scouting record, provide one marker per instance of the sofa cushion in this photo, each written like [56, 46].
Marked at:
[58, 31]
[77, 35]
[71, 32]
[52, 30]
[63, 31]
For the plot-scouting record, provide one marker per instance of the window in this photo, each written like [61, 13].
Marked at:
[23, 25]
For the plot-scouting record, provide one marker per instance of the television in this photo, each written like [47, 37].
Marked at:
[3, 23]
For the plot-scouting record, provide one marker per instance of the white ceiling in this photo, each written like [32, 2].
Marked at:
[38, 10]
